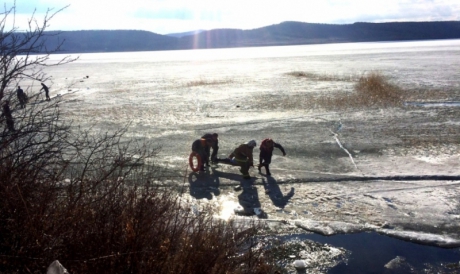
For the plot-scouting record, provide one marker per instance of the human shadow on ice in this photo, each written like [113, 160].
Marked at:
[205, 184]
[202, 185]
[274, 192]
[249, 201]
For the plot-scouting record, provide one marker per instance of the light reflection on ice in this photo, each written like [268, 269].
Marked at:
[431, 160]
[226, 208]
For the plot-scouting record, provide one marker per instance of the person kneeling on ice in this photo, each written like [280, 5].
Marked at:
[201, 146]
[266, 152]
[242, 156]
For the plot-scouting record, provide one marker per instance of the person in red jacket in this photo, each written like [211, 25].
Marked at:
[266, 152]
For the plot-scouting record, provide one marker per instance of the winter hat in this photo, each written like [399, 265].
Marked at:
[251, 143]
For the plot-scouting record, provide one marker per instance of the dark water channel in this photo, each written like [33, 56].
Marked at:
[370, 252]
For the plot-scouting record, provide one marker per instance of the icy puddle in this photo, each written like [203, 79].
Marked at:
[375, 253]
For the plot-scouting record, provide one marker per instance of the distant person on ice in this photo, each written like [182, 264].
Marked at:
[22, 97]
[6, 112]
[201, 146]
[242, 156]
[214, 146]
[266, 153]
[47, 91]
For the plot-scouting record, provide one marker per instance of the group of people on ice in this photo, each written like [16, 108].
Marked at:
[241, 156]
[22, 96]
[23, 99]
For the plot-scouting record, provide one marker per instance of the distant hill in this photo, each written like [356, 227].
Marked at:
[297, 33]
[286, 33]
[110, 41]
[182, 34]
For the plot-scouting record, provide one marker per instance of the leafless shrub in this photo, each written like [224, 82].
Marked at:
[372, 90]
[318, 77]
[118, 227]
[375, 89]
[19, 47]
[86, 199]
[202, 82]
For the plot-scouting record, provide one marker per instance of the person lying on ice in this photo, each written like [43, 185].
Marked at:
[214, 146]
[242, 156]
[266, 152]
[201, 146]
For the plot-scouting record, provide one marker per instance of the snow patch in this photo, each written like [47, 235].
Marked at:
[331, 228]
[422, 238]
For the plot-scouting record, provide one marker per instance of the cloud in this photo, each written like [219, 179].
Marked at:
[167, 16]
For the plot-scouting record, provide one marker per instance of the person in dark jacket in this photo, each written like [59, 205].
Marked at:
[47, 91]
[242, 156]
[21, 97]
[214, 146]
[200, 146]
[6, 112]
[266, 153]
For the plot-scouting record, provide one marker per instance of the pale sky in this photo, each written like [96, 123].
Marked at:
[172, 16]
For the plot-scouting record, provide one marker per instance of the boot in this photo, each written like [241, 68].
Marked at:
[267, 170]
[259, 167]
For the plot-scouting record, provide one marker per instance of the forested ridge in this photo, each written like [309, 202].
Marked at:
[285, 33]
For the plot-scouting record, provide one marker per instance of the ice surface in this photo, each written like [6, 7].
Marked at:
[175, 97]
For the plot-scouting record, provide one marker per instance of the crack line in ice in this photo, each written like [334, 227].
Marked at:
[344, 149]
[315, 172]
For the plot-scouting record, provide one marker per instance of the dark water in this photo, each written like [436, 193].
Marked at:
[371, 251]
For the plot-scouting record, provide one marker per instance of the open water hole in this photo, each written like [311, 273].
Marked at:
[370, 252]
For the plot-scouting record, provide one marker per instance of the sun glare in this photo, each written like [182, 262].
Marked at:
[226, 208]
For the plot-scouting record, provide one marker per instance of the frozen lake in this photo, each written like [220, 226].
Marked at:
[417, 63]
[144, 84]
[173, 97]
